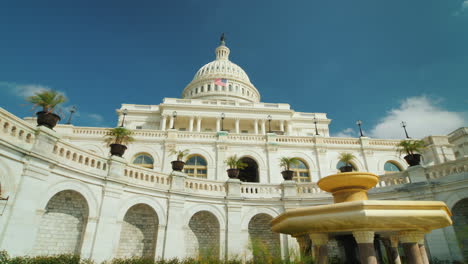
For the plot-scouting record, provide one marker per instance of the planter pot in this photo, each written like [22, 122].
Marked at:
[346, 169]
[47, 119]
[413, 159]
[177, 165]
[287, 175]
[117, 149]
[233, 173]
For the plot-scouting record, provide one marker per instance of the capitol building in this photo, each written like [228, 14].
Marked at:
[62, 192]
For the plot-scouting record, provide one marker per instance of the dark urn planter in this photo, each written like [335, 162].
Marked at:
[287, 175]
[117, 149]
[47, 119]
[177, 165]
[346, 168]
[413, 159]
[233, 173]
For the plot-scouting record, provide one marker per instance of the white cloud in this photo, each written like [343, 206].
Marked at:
[423, 117]
[96, 117]
[25, 90]
[463, 8]
[348, 132]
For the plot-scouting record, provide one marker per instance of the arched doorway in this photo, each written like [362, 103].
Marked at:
[265, 244]
[460, 224]
[139, 232]
[249, 173]
[203, 236]
[63, 225]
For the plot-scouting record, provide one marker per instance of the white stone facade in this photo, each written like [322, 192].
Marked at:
[66, 195]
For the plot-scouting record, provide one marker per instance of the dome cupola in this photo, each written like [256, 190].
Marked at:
[221, 79]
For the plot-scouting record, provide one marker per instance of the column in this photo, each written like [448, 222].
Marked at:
[320, 240]
[162, 125]
[218, 124]
[171, 122]
[191, 124]
[391, 247]
[289, 128]
[199, 124]
[282, 125]
[365, 241]
[237, 126]
[262, 124]
[256, 126]
[422, 250]
[234, 235]
[410, 241]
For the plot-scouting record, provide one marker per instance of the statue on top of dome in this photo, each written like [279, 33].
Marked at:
[222, 39]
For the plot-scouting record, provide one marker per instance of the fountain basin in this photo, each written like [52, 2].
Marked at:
[348, 186]
[378, 216]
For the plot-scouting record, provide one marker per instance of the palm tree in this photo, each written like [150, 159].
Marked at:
[412, 148]
[286, 163]
[178, 165]
[346, 158]
[47, 99]
[117, 138]
[235, 165]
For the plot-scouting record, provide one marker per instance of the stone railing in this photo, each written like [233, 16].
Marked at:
[203, 186]
[391, 179]
[295, 140]
[143, 176]
[197, 135]
[80, 159]
[14, 129]
[259, 190]
[447, 168]
[308, 189]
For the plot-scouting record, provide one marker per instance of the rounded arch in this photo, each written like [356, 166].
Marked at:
[154, 204]
[205, 154]
[455, 197]
[302, 172]
[251, 213]
[253, 155]
[309, 160]
[460, 223]
[143, 159]
[203, 235]
[392, 166]
[356, 162]
[251, 172]
[95, 149]
[401, 163]
[219, 213]
[265, 243]
[196, 166]
[134, 150]
[76, 186]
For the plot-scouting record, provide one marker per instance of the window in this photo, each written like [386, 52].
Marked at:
[391, 167]
[139, 127]
[230, 88]
[301, 172]
[209, 87]
[143, 160]
[216, 87]
[195, 166]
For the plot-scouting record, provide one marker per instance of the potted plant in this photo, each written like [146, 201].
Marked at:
[411, 148]
[48, 100]
[346, 158]
[117, 138]
[235, 165]
[178, 165]
[286, 164]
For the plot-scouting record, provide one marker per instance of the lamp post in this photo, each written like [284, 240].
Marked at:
[72, 111]
[222, 121]
[124, 113]
[403, 124]
[269, 123]
[359, 123]
[174, 115]
[315, 123]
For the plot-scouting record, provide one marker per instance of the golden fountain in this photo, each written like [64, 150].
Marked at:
[353, 215]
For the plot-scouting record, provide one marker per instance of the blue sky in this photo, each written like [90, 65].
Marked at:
[378, 61]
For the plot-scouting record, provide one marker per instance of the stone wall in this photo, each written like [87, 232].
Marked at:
[460, 224]
[261, 236]
[63, 224]
[203, 235]
[139, 232]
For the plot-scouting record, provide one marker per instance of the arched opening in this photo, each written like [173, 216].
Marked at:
[139, 232]
[460, 225]
[301, 171]
[196, 166]
[265, 244]
[249, 173]
[62, 225]
[391, 167]
[143, 160]
[203, 235]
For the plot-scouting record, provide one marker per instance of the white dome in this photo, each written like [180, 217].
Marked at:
[221, 79]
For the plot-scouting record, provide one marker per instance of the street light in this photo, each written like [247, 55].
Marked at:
[222, 121]
[174, 115]
[124, 113]
[403, 124]
[359, 123]
[269, 123]
[72, 111]
[315, 123]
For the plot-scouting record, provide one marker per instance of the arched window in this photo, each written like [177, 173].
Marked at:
[391, 167]
[341, 164]
[209, 87]
[301, 172]
[143, 160]
[195, 166]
